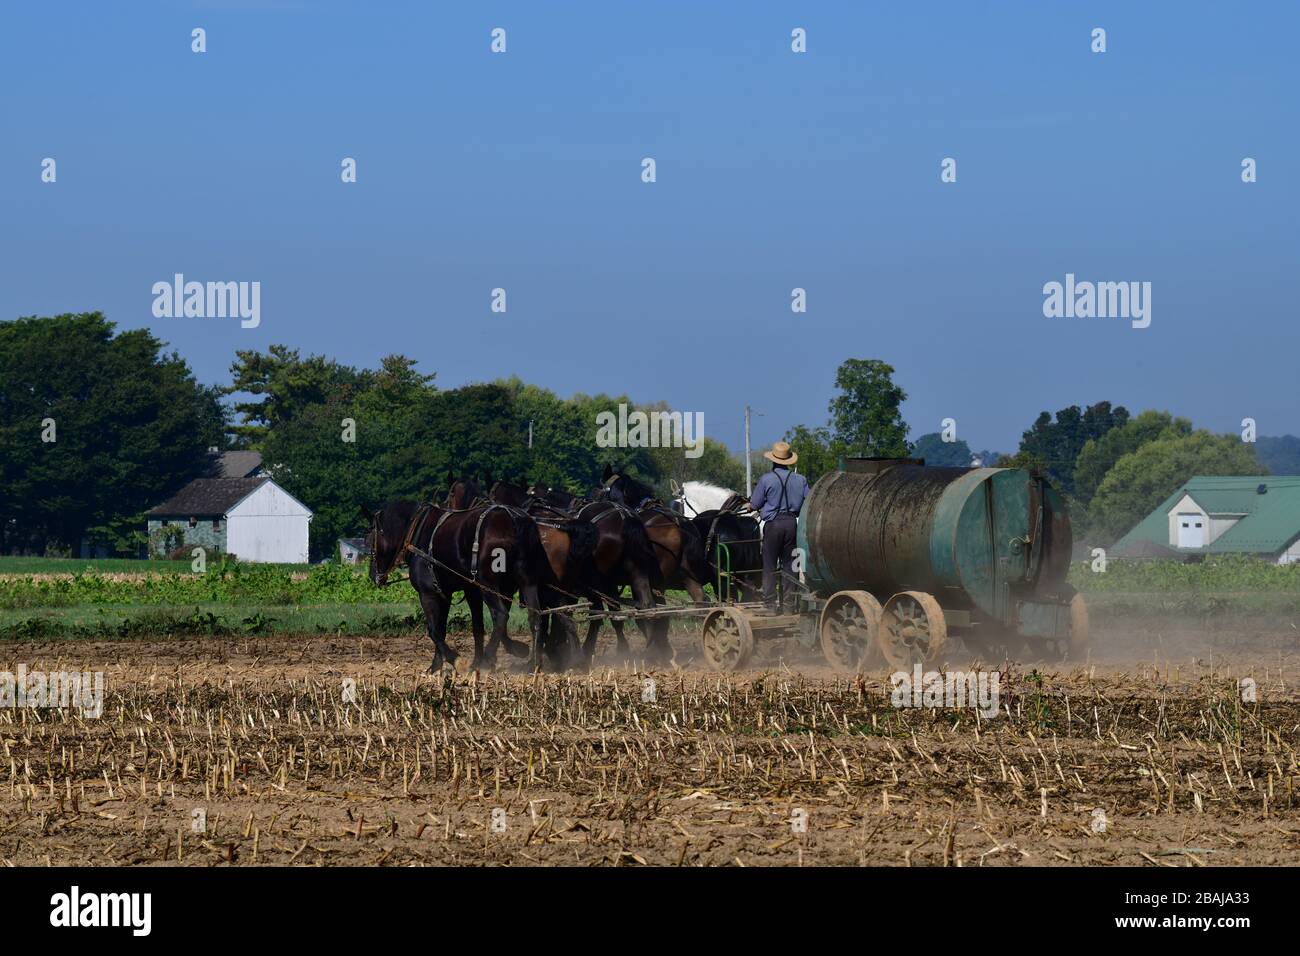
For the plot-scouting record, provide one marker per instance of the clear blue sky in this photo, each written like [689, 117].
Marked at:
[775, 170]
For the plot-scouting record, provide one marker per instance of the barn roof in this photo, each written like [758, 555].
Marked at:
[207, 498]
[1268, 523]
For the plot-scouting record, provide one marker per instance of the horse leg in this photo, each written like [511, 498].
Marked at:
[529, 598]
[658, 648]
[436, 608]
[500, 611]
[694, 588]
[593, 628]
[623, 647]
[474, 598]
[553, 631]
[574, 657]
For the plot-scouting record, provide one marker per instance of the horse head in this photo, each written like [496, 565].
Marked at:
[626, 490]
[510, 493]
[462, 492]
[386, 537]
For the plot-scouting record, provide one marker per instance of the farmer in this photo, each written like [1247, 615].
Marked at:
[777, 498]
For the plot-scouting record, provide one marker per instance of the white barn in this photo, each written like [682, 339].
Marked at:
[268, 526]
[252, 519]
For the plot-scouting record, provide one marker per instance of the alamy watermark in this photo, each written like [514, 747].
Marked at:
[83, 690]
[978, 690]
[656, 429]
[1098, 300]
[179, 299]
[75, 908]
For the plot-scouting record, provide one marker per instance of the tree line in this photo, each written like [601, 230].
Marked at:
[97, 426]
[131, 425]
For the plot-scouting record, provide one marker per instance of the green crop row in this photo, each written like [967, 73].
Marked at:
[23, 564]
[226, 583]
[106, 623]
[1222, 574]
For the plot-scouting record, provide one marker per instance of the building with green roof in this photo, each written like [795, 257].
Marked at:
[1222, 514]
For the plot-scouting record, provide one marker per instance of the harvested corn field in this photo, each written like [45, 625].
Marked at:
[333, 751]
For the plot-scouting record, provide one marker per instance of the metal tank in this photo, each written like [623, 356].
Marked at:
[983, 552]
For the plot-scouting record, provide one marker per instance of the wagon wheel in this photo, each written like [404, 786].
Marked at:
[848, 627]
[1080, 637]
[726, 639]
[912, 629]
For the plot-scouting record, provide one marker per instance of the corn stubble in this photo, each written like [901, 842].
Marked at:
[716, 770]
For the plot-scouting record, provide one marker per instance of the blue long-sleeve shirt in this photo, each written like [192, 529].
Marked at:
[767, 499]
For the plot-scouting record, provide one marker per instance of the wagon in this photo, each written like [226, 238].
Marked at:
[899, 558]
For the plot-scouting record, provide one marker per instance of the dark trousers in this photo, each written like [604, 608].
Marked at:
[779, 545]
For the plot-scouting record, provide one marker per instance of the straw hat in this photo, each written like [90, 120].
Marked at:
[781, 454]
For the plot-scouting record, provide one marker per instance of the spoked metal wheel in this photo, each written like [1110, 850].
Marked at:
[726, 639]
[1080, 639]
[848, 628]
[912, 629]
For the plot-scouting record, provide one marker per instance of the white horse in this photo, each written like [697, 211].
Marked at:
[694, 497]
[697, 496]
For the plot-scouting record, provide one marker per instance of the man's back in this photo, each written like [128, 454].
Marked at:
[779, 492]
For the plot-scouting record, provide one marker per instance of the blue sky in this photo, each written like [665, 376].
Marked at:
[775, 170]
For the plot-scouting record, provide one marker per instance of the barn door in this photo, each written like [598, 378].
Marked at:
[1191, 530]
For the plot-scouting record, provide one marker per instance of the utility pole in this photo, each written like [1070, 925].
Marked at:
[530, 433]
[749, 465]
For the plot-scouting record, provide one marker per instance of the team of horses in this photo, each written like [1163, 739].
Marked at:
[498, 541]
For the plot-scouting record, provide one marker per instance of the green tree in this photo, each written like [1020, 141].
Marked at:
[936, 451]
[309, 458]
[564, 452]
[130, 427]
[286, 384]
[390, 454]
[1099, 455]
[865, 415]
[716, 464]
[1279, 454]
[1144, 478]
[1054, 446]
[818, 451]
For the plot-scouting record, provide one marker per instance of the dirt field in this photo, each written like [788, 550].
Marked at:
[1154, 760]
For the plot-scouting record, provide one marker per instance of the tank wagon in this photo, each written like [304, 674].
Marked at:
[899, 558]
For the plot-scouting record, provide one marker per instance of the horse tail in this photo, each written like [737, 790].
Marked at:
[637, 547]
[582, 546]
[694, 561]
[536, 569]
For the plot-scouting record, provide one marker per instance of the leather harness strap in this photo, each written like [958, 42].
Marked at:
[415, 530]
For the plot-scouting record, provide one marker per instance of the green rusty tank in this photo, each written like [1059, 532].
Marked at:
[980, 552]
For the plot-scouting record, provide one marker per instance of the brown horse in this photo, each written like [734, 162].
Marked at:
[622, 556]
[568, 545]
[679, 549]
[462, 492]
[492, 550]
[592, 555]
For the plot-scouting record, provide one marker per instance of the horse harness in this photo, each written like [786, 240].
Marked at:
[729, 507]
[416, 528]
